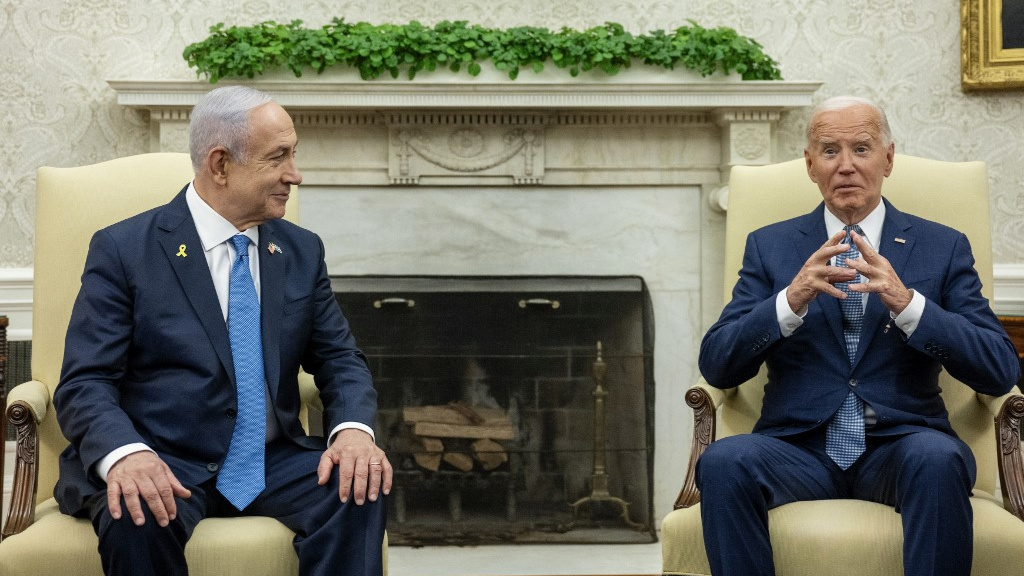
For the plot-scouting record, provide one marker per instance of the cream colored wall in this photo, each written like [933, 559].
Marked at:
[58, 54]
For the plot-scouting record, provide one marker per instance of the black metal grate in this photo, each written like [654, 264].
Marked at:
[18, 369]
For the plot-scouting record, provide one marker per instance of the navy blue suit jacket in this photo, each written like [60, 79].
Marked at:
[809, 372]
[148, 359]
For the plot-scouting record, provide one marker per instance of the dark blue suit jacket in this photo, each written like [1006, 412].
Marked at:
[809, 373]
[147, 357]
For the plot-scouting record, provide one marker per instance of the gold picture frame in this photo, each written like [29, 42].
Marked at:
[985, 62]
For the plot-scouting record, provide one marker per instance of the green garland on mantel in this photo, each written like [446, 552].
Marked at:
[247, 51]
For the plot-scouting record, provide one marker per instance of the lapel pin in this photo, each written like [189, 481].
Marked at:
[900, 240]
[274, 248]
[181, 251]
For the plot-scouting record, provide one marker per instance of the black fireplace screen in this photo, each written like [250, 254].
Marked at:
[513, 409]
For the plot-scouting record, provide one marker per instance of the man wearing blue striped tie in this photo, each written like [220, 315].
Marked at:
[179, 390]
[855, 308]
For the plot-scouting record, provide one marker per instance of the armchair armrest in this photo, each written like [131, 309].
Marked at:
[308, 392]
[28, 404]
[312, 407]
[705, 400]
[1008, 411]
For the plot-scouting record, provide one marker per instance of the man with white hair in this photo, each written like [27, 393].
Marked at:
[855, 308]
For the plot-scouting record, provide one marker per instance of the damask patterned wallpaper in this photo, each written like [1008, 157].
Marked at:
[58, 54]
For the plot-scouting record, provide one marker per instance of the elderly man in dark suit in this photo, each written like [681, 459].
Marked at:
[179, 389]
[855, 308]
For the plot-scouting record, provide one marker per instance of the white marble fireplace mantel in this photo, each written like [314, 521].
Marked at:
[527, 178]
[674, 130]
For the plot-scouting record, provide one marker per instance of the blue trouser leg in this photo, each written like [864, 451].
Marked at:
[927, 476]
[742, 477]
[332, 538]
[126, 549]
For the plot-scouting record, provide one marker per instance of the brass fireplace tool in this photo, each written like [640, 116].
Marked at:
[599, 479]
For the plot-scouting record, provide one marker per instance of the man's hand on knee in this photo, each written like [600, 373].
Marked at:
[143, 476]
[363, 469]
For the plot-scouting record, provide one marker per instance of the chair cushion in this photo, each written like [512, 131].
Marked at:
[60, 544]
[804, 537]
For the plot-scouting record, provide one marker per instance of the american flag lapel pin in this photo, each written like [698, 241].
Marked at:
[271, 247]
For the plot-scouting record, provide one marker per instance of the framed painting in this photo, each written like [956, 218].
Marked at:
[991, 44]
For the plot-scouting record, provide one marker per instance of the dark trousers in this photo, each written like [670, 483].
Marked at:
[331, 538]
[927, 476]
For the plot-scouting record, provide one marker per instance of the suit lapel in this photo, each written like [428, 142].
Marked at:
[272, 278]
[812, 236]
[184, 251]
[897, 252]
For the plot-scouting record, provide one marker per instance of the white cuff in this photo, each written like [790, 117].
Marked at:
[789, 321]
[908, 320]
[104, 465]
[355, 425]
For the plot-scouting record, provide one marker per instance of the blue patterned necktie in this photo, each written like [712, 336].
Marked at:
[844, 436]
[241, 476]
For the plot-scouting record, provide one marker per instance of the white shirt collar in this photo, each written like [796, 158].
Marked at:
[213, 228]
[870, 225]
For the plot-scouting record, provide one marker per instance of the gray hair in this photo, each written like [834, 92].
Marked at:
[841, 102]
[221, 118]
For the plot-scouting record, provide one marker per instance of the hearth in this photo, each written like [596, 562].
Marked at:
[515, 409]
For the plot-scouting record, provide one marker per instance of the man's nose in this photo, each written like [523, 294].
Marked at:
[293, 176]
[846, 161]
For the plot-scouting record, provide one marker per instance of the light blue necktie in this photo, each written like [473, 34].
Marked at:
[242, 476]
[844, 436]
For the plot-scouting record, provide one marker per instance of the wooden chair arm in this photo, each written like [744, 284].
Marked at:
[705, 400]
[28, 405]
[1011, 466]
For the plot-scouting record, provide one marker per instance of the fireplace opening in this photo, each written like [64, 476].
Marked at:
[514, 409]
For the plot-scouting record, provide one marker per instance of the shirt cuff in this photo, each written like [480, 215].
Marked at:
[355, 425]
[789, 321]
[908, 320]
[107, 462]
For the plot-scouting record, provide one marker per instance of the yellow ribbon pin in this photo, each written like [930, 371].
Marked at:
[181, 251]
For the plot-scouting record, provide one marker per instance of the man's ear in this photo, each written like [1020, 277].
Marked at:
[809, 162]
[217, 165]
[890, 154]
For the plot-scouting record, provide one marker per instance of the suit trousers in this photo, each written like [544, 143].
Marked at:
[331, 537]
[926, 475]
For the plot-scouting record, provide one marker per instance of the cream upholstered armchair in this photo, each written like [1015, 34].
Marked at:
[71, 204]
[848, 537]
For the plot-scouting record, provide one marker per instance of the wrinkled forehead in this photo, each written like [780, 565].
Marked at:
[856, 124]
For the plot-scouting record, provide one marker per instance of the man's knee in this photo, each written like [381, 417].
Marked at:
[125, 530]
[727, 460]
[127, 548]
[941, 449]
[937, 458]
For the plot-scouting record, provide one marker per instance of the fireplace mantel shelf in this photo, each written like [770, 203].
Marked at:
[325, 94]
